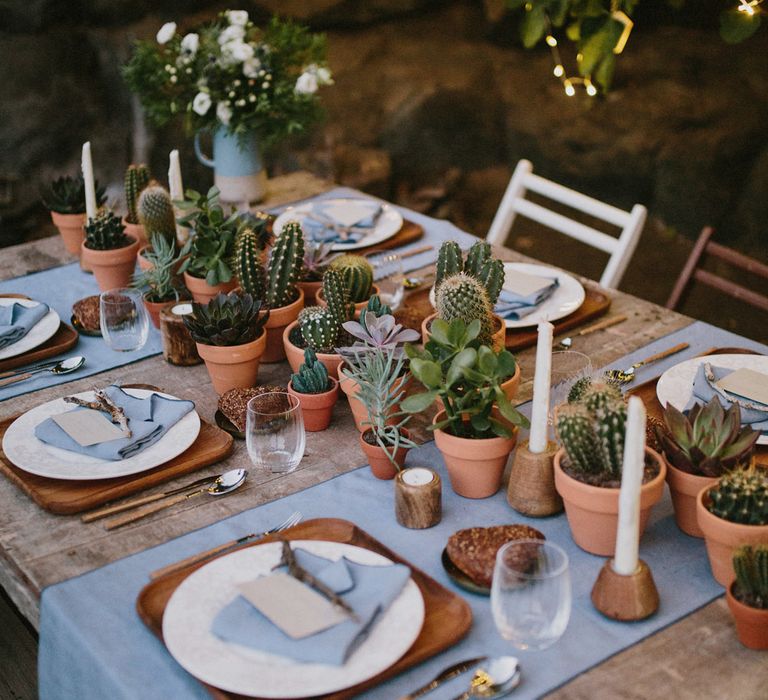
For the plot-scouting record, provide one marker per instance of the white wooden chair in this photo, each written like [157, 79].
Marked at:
[620, 249]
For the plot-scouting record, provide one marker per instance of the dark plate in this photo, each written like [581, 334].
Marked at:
[460, 578]
[83, 331]
[227, 425]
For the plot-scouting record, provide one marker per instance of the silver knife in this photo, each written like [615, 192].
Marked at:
[444, 676]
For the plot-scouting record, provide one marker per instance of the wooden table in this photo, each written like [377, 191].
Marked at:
[698, 657]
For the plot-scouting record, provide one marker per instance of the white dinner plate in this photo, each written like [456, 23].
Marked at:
[193, 606]
[388, 224]
[675, 386]
[26, 452]
[45, 328]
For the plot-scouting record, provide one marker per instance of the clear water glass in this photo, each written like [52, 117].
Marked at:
[568, 366]
[274, 432]
[531, 593]
[123, 319]
[388, 276]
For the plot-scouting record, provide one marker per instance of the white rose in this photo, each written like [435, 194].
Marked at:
[202, 103]
[306, 84]
[166, 33]
[251, 67]
[224, 113]
[238, 50]
[190, 43]
[324, 76]
[238, 18]
[231, 33]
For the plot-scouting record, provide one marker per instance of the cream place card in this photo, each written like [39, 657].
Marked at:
[524, 284]
[349, 213]
[747, 383]
[88, 427]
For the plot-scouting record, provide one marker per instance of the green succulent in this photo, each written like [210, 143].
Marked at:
[227, 320]
[66, 195]
[319, 328]
[155, 211]
[312, 377]
[247, 262]
[462, 296]
[479, 264]
[751, 568]
[136, 179]
[106, 232]
[358, 275]
[159, 280]
[741, 496]
[285, 263]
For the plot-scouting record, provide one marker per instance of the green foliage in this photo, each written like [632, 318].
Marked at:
[312, 377]
[463, 297]
[159, 281]
[319, 328]
[358, 276]
[66, 195]
[106, 232]
[285, 263]
[741, 496]
[136, 179]
[751, 568]
[247, 264]
[227, 320]
[156, 213]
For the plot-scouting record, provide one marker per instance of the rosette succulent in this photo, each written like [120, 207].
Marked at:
[227, 320]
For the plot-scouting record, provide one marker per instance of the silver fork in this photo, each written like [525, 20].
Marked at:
[290, 521]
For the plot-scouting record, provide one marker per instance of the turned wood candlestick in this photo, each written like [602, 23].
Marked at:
[625, 598]
[178, 346]
[418, 498]
[531, 489]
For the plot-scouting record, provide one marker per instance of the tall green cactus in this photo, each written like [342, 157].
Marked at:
[337, 297]
[247, 264]
[358, 276]
[741, 496]
[319, 328]
[577, 433]
[449, 262]
[479, 264]
[477, 256]
[751, 568]
[599, 393]
[461, 296]
[285, 263]
[106, 232]
[156, 213]
[136, 179]
[491, 275]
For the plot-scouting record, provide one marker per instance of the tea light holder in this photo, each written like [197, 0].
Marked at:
[625, 597]
[531, 489]
[418, 498]
[178, 346]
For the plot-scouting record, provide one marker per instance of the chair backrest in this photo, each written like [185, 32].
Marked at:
[691, 270]
[619, 249]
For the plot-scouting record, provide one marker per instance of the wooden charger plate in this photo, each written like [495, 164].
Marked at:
[447, 616]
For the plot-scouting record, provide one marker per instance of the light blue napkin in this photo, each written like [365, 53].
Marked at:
[369, 591]
[702, 391]
[513, 306]
[149, 419]
[17, 320]
[319, 224]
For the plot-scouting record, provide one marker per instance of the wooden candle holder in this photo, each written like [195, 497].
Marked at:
[178, 346]
[531, 489]
[625, 598]
[418, 498]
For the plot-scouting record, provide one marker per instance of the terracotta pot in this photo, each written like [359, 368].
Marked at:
[381, 465]
[350, 387]
[358, 307]
[278, 319]
[751, 623]
[202, 292]
[111, 268]
[498, 339]
[144, 264]
[72, 230]
[295, 355]
[593, 511]
[310, 291]
[475, 467]
[317, 408]
[684, 489]
[233, 366]
[154, 307]
[136, 231]
[723, 536]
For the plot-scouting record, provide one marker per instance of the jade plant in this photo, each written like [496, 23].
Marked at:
[357, 274]
[66, 195]
[155, 211]
[312, 377]
[741, 496]
[227, 320]
[751, 568]
[106, 232]
[158, 281]
[136, 179]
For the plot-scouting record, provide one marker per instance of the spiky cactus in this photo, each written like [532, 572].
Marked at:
[358, 276]
[751, 568]
[581, 385]
[285, 263]
[598, 394]
[106, 232]
[477, 256]
[136, 179]
[741, 496]
[449, 262]
[461, 296]
[246, 262]
[336, 296]
[312, 377]
[319, 328]
[491, 276]
[479, 264]
[155, 211]
[577, 433]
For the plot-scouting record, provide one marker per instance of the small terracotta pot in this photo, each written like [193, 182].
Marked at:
[310, 291]
[202, 292]
[359, 412]
[684, 488]
[136, 231]
[295, 355]
[278, 319]
[751, 623]
[154, 308]
[498, 339]
[475, 467]
[317, 408]
[381, 465]
[320, 300]
[593, 511]
[234, 366]
[72, 230]
[111, 268]
[723, 536]
[144, 264]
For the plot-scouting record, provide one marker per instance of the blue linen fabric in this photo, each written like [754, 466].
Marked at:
[516, 306]
[322, 226]
[148, 419]
[368, 590]
[17, 320]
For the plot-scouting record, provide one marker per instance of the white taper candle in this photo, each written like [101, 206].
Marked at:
[537, 442]
[90, 184]
[628, 533]
[174, 176]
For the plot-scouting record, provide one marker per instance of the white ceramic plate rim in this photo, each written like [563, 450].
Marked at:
[675, 386]
[45, 328]
[26, 452]
[389, 223]
[193, 606]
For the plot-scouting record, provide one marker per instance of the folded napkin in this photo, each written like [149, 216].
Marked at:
[149, 419]
[341, 223]
[515, 306]
[17, 320]
[703, 391]
[369, 591]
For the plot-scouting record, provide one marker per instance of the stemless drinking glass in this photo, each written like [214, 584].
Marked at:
[388, 275]
[531, 593]
[274, 432]
[568, 367]
[123, 319]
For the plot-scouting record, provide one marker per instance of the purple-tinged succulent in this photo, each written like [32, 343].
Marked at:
[377, 332]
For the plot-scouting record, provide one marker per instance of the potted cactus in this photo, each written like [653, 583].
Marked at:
[747, 596]
[157, 216]
[732, 513]
[277, 283]
[699, 448]
[65, 199]
[109, 251]
[136, 180]
[316, 391]
[358, 279]
[589, 464]
[317, 258]
[477, 427]
[230, 337]
[158, 280]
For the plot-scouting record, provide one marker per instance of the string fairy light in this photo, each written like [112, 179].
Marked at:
[749, 7]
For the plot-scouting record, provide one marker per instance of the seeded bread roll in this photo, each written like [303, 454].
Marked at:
[474, 550]
[234, 402]
[86, 311]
